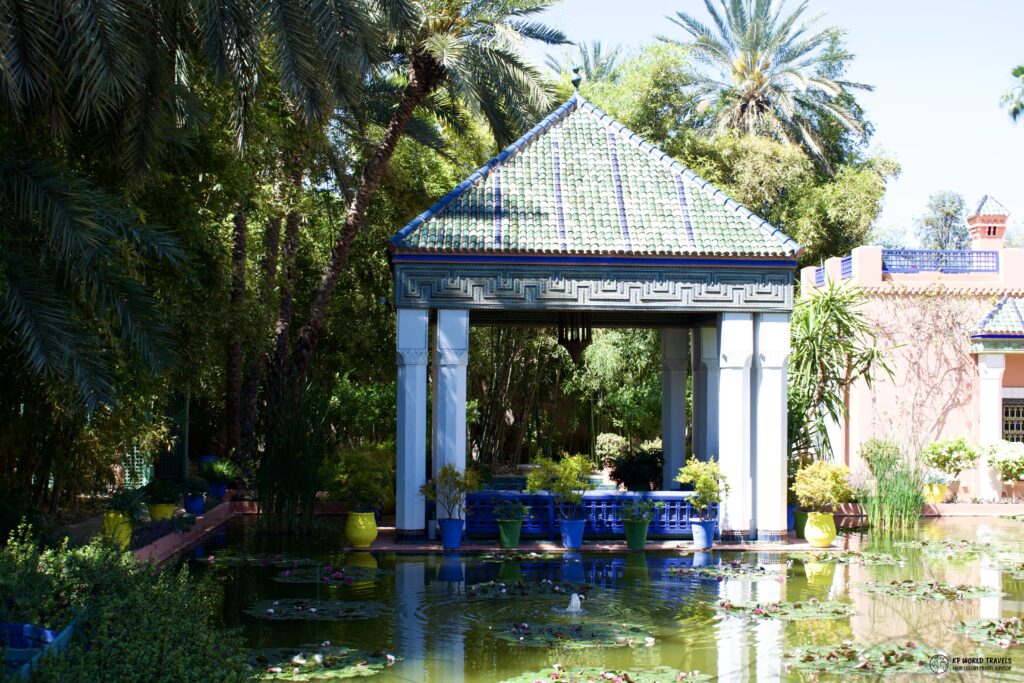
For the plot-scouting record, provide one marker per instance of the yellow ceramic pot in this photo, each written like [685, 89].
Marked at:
[819, 572]
[158, 512]
[935, 493]
[365, 560]
[360, 529]
[820, 530]
[117, 528]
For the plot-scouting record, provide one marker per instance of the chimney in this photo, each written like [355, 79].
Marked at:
[987, 224]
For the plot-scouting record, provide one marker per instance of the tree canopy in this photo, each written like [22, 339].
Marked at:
[944, 223]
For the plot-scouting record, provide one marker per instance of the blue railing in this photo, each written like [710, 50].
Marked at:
[819, 276]
[936, 261]
[846, 267]
[600, 508]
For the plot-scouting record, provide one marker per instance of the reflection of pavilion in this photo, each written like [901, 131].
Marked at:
[583, 224]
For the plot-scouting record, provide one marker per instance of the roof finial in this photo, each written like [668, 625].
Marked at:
[576, 79]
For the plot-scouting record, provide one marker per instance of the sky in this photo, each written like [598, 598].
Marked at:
[939, 69]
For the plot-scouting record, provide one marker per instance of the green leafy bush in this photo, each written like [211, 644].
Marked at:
[162, 491]
[132, 623]
[608, 447]
[565, 479]
[129, 502]
[639, 510]
[951, 456]
[508, 509]
[221, 472]
[639, 469]
[1008, 458]
[708, 483]
[821, 486]
[364, 477]
[449, 490]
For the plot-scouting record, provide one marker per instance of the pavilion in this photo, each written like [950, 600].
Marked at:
[580, 224]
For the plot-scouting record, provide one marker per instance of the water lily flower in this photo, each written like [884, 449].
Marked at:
[648, 642]
[270, 610]
[274, 670]
[296, 671]
[209, 558]
[325, 643]
[390, 659]
[318, 658]
[298, 659]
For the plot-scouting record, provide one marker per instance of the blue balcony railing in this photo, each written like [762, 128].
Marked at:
[936, 261]
[819, 276]
[846, 267]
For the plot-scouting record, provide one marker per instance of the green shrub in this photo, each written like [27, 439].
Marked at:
[565, 479]
[162, 491]
[508, 509]
[129, 502]
[894, 497]
[608, 447]
[951, 456]
[1008, 458]
[821, 486]
[449, 490]
[222, 471]
[708, 483]
[639, 510]
[364, 477]
[640, 469]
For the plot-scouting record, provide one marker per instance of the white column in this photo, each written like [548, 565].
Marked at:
[770, 447]
[675, 356]
[709, 367]
[410, 579]
[990, 423]
[698, 437]
[736, 335]
[451, 354]
[411, 436]
[768, 647]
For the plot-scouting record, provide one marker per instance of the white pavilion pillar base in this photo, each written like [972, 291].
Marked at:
[770, 438]
[734, 438]
[411, 436]
[675, 356]
[991, 367]
[709, 393]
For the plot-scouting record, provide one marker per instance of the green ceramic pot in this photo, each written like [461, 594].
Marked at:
[508, 532]
[799, 522]
[636, 534]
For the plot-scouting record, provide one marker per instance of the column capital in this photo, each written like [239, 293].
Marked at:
[411, 356]
[991, 365]
[773, 360]
[449, 357]
[675, 364]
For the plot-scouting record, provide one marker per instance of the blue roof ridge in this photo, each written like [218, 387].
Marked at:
[691, 176]
[557, 115]
[980, 327]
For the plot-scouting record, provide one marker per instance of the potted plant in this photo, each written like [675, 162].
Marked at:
[509, 514]
[820, 487]
[365, 479]
[121, 512]
[951, 456]
[161, 498]
[708, 488]
[936, 486]
[1007, 459]
[220, 474]
[194, 490]
[448, 489]
[565, 480]
[636, 516]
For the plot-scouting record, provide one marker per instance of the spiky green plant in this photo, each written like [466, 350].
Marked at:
[895, 494]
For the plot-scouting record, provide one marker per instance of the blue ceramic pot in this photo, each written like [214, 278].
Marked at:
[701, 559]
[451, 566]
[451, 533]
[790, 521]
[703, 533]
[207, 459]
[217, 490]
[194, 504]
[572, 568]
[572, 532]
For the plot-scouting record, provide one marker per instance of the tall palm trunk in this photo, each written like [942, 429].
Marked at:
[425, 75]
[233, 372]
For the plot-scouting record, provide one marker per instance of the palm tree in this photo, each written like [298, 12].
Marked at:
[592, 59]
[462, 51]
[770, 74]
[1014, 98]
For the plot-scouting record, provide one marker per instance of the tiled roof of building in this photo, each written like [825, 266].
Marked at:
[989, 206]
[580, 183]
[1007, 318]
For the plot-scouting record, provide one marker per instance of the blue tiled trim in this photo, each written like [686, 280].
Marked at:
[998, 336]
[681, 192]
[559, 209]
[574, 102]
[619, 198]
[584, 260]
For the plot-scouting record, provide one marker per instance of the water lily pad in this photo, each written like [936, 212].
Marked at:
[924, 590]
[850, 658]
[525, 589]
[849, 557]
[318, 663]
[517, 556]
[228, 558]
[728, 570]
[788, 611]
[576, 636]
[661, 674]
[948, 549]
[298, 609]
[327, 575]
[998, 632]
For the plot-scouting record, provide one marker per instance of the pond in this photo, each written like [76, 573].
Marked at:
[470, 617]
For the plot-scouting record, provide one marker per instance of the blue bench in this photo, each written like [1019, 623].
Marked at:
[601, 509]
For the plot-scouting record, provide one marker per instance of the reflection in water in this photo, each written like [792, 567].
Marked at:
[443, 630]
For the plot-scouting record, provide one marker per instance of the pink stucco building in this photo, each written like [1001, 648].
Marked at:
[951, 325]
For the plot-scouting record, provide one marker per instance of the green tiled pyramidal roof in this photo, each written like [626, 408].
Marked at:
[581, 183]
[1005, 319]
[989, 206]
